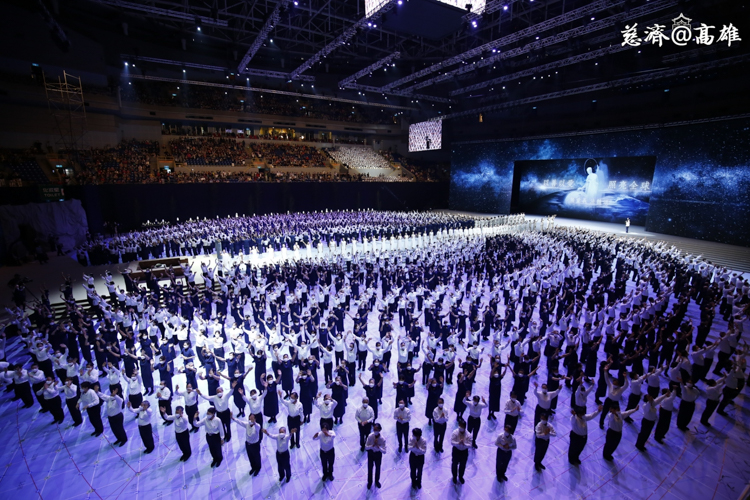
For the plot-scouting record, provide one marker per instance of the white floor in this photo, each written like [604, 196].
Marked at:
[50, 462]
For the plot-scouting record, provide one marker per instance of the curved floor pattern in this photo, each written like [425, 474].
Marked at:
[39, 460]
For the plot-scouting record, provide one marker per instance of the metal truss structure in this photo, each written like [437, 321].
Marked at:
[367, 21]
[520, 35]
[261, 90]
[586, 56]
[68, 109]
[622, 82]
[401, 93]
[209, 67]
[272, 20]
[336, 43]
[368, 70]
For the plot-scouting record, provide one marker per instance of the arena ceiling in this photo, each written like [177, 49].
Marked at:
[464, 61]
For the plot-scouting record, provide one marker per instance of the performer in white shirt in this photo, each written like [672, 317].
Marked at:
[143, 417]
[461, 441]
[417, 448]
[542, 433]
[375, 447]
[364, 417]
[475, 408]
[402, 416]
[181, 432]
[579, 434]
[214, 435]
[252, 442]
[327, 451]
[440, 419]
[89, 401]
[294, 412]
[505, 443]
[282, 453]
[114, 415]
[614, 429]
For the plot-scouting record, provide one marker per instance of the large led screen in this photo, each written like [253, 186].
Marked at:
[602, 189]
[700, 187]
[481, 179]
[426, 136]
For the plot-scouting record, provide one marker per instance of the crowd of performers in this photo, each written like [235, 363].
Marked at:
[301, 232]
[540, 314]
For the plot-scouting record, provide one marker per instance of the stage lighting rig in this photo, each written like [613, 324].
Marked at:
[622, 82]
[601, 24]
[586, 56]
[506, 40]
[272, 20]
[369, 69]
[159, 12]
[370, 88]
[247, 71]
[380, 6]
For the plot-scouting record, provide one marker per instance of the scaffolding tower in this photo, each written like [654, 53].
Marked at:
[66, 105]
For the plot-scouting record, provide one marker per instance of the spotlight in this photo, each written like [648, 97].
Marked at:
[296, 4]
[400, 2]
[474, 24]
[271, 40]
[198, 28]
[505, 7]
[126, 64]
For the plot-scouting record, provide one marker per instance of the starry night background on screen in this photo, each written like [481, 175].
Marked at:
[602, 189]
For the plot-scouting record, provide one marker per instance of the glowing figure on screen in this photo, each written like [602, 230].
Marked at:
[595, 186]
[591, 188]
[596, 181]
